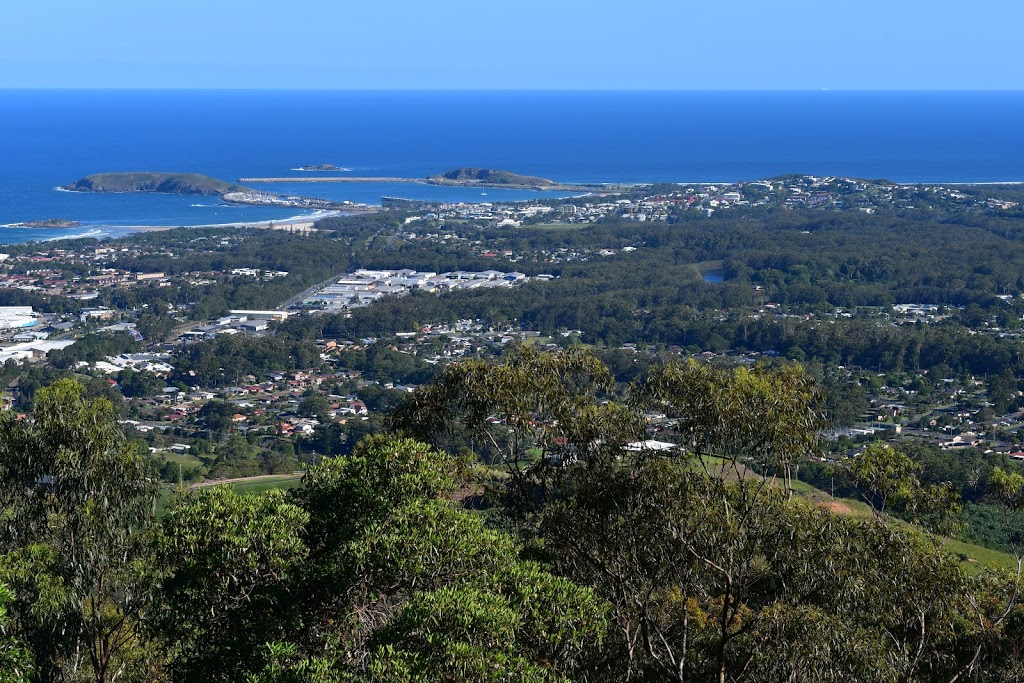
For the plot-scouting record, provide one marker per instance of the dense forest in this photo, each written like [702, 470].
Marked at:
[572, 556]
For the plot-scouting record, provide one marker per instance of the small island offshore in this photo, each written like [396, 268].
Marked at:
[321, 167]
[232, 193]
[48, 223]
[458, 177]
[165, 183]
[198, 184]
[485, 177]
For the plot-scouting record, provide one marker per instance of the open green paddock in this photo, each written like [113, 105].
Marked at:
[241, 487]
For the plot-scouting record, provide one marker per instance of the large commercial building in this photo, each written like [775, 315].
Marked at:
[261, 315]
[17, 317]
[32, 350]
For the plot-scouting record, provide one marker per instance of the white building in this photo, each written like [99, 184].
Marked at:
[16, 317]
[260, 315]
[32, 350]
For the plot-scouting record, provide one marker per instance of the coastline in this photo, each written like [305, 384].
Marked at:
[303, 224]
[300, 222]
[15, 233]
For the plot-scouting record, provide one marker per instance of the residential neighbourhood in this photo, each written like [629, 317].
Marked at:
[116, 291]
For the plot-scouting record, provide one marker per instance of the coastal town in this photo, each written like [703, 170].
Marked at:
[110, 289]
[551, 342]
[640, 205]
[948, 412]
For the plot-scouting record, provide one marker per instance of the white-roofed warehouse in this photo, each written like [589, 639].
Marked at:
[16, 317]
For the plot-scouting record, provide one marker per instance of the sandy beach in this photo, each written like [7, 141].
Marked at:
[296, 223]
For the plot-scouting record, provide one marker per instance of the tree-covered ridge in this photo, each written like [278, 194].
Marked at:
[167, 183]
[593, 560]
[367, 572]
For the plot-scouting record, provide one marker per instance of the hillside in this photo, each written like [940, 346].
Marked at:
[167, 183]
[486, 176]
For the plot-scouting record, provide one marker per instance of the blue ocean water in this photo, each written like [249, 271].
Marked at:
[49, 138]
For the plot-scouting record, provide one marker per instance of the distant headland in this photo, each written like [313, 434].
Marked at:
[164, 183]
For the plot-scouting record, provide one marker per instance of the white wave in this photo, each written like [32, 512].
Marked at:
[301, 218]
[315, 215]
[997, 182]
[91, 233]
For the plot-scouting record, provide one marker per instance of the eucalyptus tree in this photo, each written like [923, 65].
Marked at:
[761, 418]
[533, 412]
[421, 590]
[706, 585]
[228, 561]
[712, 568]
[890, 482]
[16, 663]
[78, 506]
[367, 572]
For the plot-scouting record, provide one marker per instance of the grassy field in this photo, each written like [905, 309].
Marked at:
[978, 556]
[973, 557]
[183, 459]
[242, 488]
[285, 481]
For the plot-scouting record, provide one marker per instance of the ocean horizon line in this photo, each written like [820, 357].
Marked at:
[619, 137]
[284, 89]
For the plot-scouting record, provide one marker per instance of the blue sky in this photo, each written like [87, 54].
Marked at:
[523, 44]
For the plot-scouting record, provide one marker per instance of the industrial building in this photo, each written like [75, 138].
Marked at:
[17, 317]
